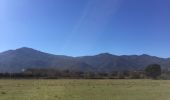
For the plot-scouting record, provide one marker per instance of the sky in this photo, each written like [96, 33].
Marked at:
[86, 27]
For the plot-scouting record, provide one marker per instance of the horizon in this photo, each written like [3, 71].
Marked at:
[86, 27]
[87, 54]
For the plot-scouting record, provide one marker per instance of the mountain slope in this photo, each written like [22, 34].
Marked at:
[108, 62]
[23, 58]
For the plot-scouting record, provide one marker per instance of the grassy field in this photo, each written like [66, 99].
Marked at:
[84, 90]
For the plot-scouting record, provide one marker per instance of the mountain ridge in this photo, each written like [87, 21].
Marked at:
[24, 58]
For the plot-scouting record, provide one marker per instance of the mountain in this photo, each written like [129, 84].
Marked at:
[24, 58]
[108, 62]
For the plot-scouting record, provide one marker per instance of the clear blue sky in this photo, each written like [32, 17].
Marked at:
[86, 27]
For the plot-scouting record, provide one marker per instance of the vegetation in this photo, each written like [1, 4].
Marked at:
[153, 71]
[67, 74]
[84, 89]
[37, 84]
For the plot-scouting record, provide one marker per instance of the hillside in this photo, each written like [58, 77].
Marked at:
[23, 58]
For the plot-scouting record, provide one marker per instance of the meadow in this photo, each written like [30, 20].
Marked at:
[84, 89]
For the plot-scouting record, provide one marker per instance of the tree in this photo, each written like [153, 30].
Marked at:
[153, 71]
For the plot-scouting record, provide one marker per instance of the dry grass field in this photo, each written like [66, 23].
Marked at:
[84, 90]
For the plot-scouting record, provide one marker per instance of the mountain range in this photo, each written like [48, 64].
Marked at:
[25, 58]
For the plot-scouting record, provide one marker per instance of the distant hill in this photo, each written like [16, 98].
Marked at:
[23, 58]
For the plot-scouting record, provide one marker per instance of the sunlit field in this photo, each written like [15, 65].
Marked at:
[84, 90]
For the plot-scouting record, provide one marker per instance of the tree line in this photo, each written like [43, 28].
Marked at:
[153, 71]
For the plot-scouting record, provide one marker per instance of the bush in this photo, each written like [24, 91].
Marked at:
[153, 71]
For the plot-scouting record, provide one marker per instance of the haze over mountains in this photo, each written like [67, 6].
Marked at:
[24, 58]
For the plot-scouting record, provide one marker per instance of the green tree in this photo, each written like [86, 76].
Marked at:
[153, 71]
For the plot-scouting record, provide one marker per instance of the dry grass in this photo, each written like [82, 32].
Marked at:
[84, 90]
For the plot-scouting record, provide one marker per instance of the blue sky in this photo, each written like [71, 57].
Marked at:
[86, 27]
